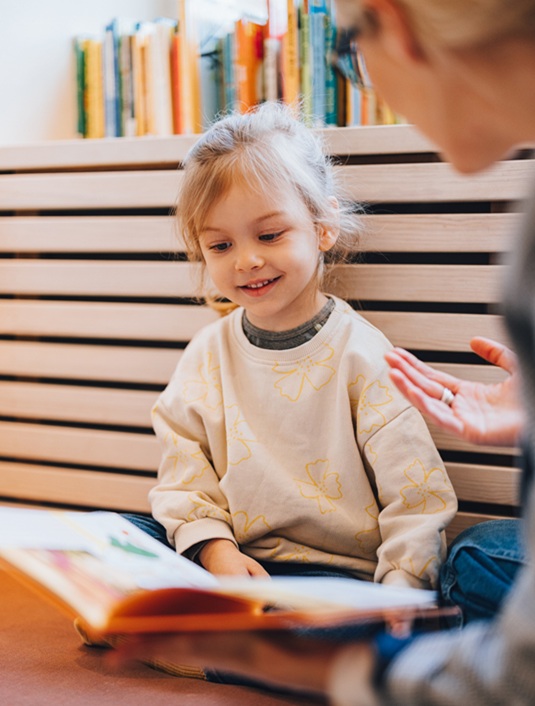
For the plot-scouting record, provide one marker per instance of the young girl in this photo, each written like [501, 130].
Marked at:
[286, 449]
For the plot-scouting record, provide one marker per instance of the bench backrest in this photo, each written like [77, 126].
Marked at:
[98, 301]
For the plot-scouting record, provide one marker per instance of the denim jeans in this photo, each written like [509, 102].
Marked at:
[481, 567]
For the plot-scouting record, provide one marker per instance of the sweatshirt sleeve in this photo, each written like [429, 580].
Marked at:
[188, 500]
[416, 500]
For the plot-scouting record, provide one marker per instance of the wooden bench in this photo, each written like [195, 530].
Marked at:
[98, 301]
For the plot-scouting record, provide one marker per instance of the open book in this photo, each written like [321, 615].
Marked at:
[118, 579]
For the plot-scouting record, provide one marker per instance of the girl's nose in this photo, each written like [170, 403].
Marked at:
[247, 259]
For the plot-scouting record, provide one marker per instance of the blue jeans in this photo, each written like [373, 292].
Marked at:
[481, 567]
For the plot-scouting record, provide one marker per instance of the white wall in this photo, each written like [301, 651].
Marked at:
[37, 78]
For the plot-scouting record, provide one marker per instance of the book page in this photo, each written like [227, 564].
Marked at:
[91, 561]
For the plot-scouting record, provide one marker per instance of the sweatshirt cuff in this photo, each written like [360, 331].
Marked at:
[191, 533]
[398, 577]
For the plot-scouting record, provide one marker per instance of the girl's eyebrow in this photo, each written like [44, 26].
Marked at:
[264, 217]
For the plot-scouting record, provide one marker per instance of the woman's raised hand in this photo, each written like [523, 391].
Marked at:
[479, 413]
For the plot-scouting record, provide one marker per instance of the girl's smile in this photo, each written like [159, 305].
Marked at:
[262, 251]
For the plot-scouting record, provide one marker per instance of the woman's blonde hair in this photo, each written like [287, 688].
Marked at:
[268, 150]
[461, 24]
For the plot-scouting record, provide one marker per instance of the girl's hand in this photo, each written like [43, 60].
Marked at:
[479, 413]
[222, 557]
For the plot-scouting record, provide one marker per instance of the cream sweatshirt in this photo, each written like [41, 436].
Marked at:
[301, 455]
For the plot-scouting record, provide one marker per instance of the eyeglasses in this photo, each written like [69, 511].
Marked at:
[348, 59]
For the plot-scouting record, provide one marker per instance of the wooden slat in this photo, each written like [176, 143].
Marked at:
[81, 319]
[90, 234]
[456, 232]
[489, 374]
[75, 154]
[464, 520]
[104, 405]
[438, 232]
[418, 283]
[135, 189]
[489, 484]
[436, 332]
[413, 183]
[429, 283]
[371, 183]
[35, 442]
[69, 154]
[376, 139]
[448, 442]
[90, 405]
[73, 487]
[133, 279]
[122, 364]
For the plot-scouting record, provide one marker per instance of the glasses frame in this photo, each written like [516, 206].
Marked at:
[348, 60]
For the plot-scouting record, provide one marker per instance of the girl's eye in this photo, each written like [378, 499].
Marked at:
[219, 247]
[268, 237]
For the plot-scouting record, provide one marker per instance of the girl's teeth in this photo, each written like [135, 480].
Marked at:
[257, 286]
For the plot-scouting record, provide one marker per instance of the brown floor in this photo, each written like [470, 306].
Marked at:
[42, 662]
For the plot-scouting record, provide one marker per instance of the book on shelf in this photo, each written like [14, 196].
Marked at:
[175, 76]
[115, 578]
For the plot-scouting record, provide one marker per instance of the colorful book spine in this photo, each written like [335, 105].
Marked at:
[305, 64]
[331, 79]
[79, 58]
[291, 88]
[94, 89]
[317, 16]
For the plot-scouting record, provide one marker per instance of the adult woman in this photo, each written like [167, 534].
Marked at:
[463, 72]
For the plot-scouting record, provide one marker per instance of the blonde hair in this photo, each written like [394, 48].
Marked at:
[467, 24]
[458, 24]
[269, 150]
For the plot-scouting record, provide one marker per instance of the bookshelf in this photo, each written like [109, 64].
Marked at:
[169, 76]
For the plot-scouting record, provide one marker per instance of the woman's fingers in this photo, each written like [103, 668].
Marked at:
[430, 381]
[431, 406]
[495, 353]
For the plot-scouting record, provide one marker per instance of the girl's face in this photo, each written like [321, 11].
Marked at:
[262, 252]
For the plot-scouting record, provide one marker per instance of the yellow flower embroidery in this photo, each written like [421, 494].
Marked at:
[425, 488]
[297, 553]
[311, 371]
[428, 569]
[206, 388]
[246, 530]
[239, 436]
[369, 539]
[204, 507]
[181, 461]
[366, 406]
[322, 486]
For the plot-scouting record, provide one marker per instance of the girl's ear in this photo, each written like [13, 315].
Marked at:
[329, 235]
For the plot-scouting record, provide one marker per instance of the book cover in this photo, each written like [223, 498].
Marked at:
[117, 579]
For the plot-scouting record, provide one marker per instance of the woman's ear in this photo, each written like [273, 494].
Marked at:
[329, 235]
